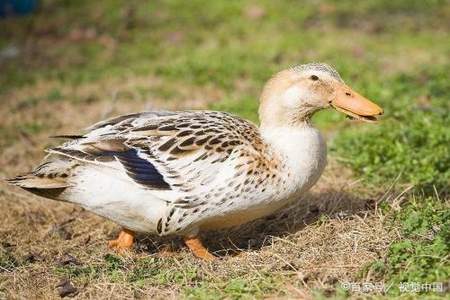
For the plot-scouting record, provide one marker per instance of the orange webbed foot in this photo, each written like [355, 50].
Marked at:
[123, 242]
[197, 248]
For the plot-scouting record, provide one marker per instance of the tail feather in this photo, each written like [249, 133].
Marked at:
[44, 187]
[32, 181]
[68, 136]
[49, 179]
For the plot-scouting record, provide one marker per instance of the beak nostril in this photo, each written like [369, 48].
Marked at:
[348, 93]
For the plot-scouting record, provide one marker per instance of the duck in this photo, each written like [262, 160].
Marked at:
[181, 173]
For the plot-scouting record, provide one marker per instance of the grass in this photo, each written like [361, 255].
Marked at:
[421, 256]
[379, 213]
[411, 143]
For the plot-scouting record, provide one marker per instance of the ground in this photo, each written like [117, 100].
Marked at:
[376, 224]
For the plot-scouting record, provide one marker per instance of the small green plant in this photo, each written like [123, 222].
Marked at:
[54, 95]
[7, 261]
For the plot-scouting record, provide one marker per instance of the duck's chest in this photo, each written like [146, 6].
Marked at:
[302, 152]
[300, 163]
[263, 183]
[291, 164]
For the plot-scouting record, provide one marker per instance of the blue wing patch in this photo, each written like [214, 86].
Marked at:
[141, 170]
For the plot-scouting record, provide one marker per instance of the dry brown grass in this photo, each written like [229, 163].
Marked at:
[323, 239]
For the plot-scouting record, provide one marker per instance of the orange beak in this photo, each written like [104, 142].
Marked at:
[354, 105]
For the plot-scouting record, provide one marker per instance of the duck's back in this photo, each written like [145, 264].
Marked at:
[156, 171]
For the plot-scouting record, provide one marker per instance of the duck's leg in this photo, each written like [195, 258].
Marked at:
[124, 241]
[196, 246]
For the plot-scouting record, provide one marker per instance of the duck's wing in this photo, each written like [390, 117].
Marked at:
[168, 151]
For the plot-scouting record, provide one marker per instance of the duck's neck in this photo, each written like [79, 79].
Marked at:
[291, 141]
[301, 148]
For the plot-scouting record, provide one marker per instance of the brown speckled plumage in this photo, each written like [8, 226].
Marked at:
[188, 149]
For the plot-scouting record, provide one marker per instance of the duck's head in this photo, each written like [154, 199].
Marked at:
[292, 96]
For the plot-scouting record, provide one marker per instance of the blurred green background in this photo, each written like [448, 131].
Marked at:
[394, 52]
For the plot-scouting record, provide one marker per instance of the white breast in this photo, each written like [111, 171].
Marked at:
[303, 150]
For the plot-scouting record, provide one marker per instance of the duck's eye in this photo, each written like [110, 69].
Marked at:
[314, 77]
